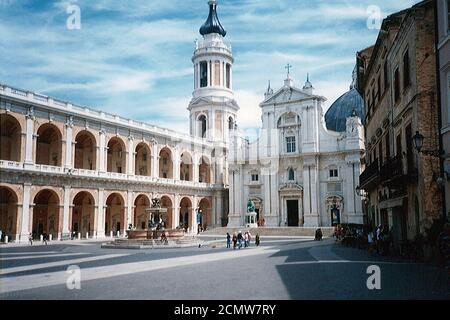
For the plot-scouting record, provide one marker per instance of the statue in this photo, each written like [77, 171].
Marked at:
[250, 206]
[156, 203]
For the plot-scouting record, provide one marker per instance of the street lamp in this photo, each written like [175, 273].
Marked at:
[418, 141]
[418, 144]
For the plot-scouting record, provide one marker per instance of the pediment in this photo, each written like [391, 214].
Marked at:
[287, 94]
[202, 101]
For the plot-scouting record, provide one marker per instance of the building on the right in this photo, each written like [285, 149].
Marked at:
[397, 78]
[443, 67]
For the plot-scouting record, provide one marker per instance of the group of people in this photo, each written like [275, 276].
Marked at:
[45, 238]
[238, 239]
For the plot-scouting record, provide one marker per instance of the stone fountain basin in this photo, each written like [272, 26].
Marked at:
[155, 234]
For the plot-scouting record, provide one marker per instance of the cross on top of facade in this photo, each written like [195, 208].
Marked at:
[288, 67]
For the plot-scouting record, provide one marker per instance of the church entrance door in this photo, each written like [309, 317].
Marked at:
[292, 213]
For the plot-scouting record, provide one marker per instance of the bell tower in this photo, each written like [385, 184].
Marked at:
[213, 109]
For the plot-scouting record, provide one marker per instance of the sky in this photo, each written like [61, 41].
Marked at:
[133, 57]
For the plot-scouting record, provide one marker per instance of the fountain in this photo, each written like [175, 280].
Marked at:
[157, 219]
[155, 235]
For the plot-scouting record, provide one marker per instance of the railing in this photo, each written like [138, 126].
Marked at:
[80, 173]
[369, 174]
[392, 168]
[99, 115]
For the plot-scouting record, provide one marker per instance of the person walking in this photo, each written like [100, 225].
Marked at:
[246, 239]
[249, 238]
[228, 240]
[234, 241]
[30, 238]
[44, 238]
[370, 241]
[239, 239]
[257, 240]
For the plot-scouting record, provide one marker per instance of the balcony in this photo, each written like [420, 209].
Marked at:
[391, 172]
[93, 174]
[370, 176]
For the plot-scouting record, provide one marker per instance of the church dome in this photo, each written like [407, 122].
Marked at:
[342, 108]
[212, 24]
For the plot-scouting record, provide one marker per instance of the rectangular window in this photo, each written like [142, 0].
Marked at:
[334, 173]
[406, 75]
[203, 74]
[379, 88]
[409, 147]
[386, 81]
[399, 145]
[380, 152]
[396, 85]
[290, 144]
[228, 74]
[388, 146]
[255, 177]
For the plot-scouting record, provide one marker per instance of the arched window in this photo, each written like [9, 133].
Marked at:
[230, 123]
[202, 126]
[291, 174]
[203, 74]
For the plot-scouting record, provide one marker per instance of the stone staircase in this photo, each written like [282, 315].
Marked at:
[273, 231]
[184, 242]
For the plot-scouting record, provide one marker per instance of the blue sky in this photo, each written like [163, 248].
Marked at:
[132, 57]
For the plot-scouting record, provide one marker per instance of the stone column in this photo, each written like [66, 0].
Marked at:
[194, 215]
[29, 141]
[27, 213]
[130, 206]
[69, 147]
[102, 156]
[101, 214]
[66, 212]
[131, 155]
[195, 168]
[310, 178]
[155, 161]
[176, 211]
[176, 164]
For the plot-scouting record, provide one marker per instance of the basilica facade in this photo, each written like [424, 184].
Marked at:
[66, 168]
[304, 168]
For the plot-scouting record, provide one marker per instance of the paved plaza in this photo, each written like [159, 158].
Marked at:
[281, 268]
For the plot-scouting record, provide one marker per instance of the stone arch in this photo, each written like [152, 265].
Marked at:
[167, 203]
[49, 145]
[204, 169]
[9, 213]
[10, 138]
[288, 118]
[85, 151]
[204, 214]
[166, 163]
[115, 218]
[186, 166]
[141, 203]
[83, 218]
[185, 213]
[46, 213]
[117, 158]
[142, 160]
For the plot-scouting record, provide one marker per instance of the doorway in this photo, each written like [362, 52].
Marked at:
[292, 213]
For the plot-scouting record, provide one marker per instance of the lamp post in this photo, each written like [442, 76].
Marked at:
[418, 139]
